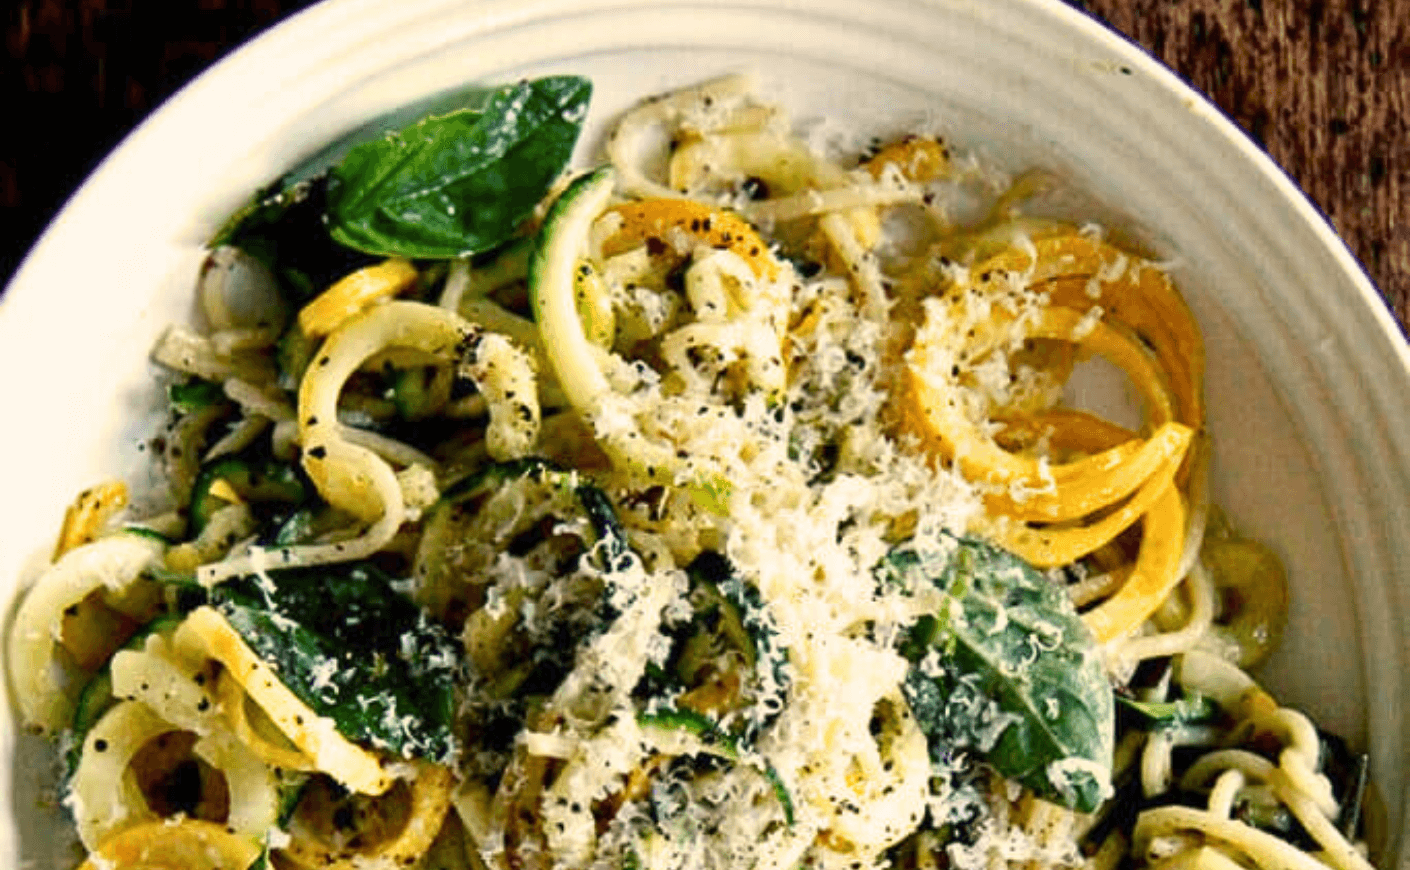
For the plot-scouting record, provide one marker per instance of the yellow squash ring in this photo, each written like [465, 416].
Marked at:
[1141, 298]
[664, 220]
[164, 844]
[354, 292]
[932, 409]
[1051, 547]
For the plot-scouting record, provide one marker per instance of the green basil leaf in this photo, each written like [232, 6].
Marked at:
[265, 209]
[1015, 674]
[283, 228]
[352, 648]
[460, 183]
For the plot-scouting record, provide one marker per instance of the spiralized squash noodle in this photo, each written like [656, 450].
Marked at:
[187, 844]
[205, 633]
[111, 563]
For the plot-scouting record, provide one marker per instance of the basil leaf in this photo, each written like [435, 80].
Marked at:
[1015, 674]
[266, 208]
[283, 227]
[355, 650]
[460, 183]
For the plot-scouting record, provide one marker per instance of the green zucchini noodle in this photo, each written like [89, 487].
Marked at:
[728, 515]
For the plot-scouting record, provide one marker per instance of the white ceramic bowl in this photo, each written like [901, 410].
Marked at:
[1309, 376]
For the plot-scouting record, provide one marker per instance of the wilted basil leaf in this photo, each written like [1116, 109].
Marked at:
[1008, 670]
[353, 649]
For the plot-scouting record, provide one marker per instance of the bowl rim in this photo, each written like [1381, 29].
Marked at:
[292, 36]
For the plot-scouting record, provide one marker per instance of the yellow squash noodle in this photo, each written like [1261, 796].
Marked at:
[274, 750]
[916, 158]
[316, 842]
[933, 407]
[352, 293]
[185, 844]
[1087, 493]
[1054, 546]
[1077, 272]
[663, 223]
[1155, 574]
[85, 518]
[1065, 429]
[205, 632]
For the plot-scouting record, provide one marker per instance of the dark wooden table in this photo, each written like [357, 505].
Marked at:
[1323, 85]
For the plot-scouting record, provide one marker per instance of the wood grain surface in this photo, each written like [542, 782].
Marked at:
[1322, 85]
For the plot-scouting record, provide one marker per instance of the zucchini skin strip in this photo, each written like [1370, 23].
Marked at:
[206, 633]
[551, 279]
